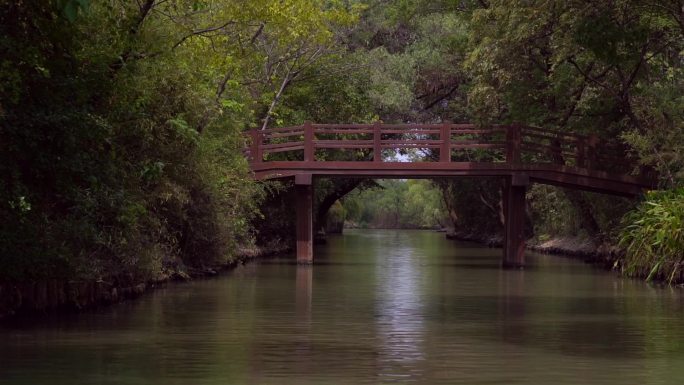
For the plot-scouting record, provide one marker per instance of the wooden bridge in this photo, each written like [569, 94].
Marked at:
[517, 154]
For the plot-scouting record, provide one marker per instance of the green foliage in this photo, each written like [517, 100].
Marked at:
[120, 121]
[610, 68]
[335, 218]
[396, 204]
[548, 205]
[653, 236]
[473, 205]
[116, 161]
[70, 8]
[391, 78]
[277, 220]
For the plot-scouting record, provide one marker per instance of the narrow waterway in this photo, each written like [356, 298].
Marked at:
[377, 307]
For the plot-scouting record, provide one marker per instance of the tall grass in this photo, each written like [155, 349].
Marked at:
[653, 237]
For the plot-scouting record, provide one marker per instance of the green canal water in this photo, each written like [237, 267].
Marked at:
[377, 307]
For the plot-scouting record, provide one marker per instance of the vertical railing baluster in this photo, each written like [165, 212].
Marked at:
[377, 142]
[257, 153]
[591, 151]
[581, 152]
[513, 144]
[308, 142]
[445, 137]
[557, 150]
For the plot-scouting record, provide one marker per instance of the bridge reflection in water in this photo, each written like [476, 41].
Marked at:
[399, 313]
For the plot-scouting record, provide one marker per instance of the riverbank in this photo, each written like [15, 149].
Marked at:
[603, 254]
[41, 297]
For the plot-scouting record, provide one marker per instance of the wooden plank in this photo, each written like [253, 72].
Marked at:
[309, 137]
[351, 131]
[344, 126]
[565, 176]
[284, 149]
[478, 132]
[391, 142]
[513, 143]
[410, 126]
[281, 145]
[540, 148]
[412, 145]
[377, 142]
[256, 150]
[499, 146]
[445, 146]
[411, 132]
[284, 135]
[344, 145]
[478, 141]
[342, 141]
[581, 154]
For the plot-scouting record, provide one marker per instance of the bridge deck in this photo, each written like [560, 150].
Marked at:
[564, 176]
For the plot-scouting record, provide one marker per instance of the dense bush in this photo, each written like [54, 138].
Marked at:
[396, 204]
[111, 169]
[653, 236]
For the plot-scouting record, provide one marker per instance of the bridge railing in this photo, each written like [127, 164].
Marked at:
[513, 144]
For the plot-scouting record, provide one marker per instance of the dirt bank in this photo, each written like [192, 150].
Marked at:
[584, 248]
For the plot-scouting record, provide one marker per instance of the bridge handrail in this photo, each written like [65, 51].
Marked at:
[513, 141]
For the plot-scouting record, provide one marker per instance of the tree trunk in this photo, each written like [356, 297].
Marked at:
[580, 203]
[344, 188]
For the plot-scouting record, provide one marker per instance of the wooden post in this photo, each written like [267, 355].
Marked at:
[515, 188]
[591, 151]
[304, 207]
[445, 137]
[308, 142]
[513, 144]
[377, 142]
[257, 154]
[580, 160]
[557, 151]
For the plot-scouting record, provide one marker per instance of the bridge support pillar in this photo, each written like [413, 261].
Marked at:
[514, 191]
[304, 208]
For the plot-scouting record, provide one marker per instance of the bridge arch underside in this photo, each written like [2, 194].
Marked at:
[515, 180]
[551, 174]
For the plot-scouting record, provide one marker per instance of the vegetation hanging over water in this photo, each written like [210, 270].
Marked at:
[121, 121]
[120, 128]
[610, 68]
[653, 236]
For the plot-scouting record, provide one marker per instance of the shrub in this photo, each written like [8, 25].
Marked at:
[653, 236]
